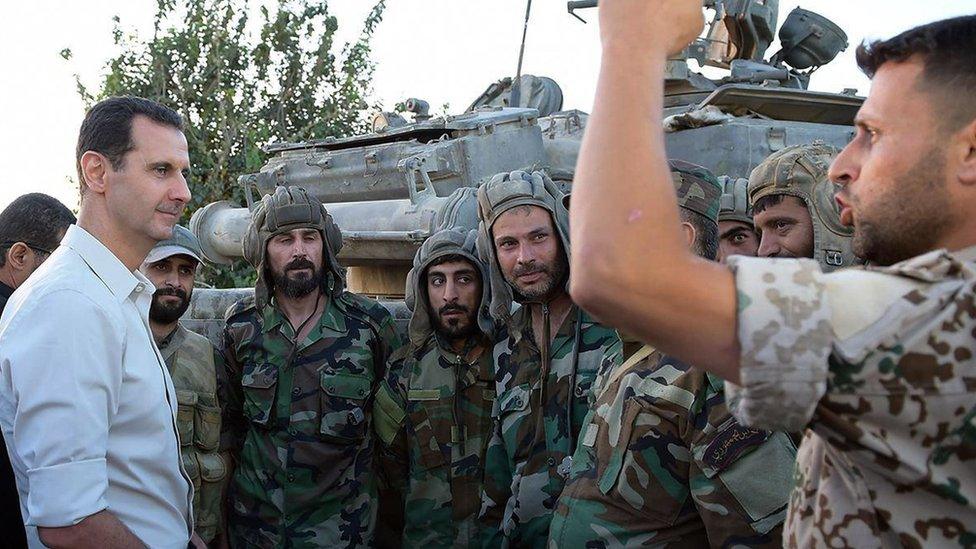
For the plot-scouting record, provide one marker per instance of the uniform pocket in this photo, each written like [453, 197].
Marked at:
[513, 407]
[213, 472]
[206, 426]
[431, 420]
[259, 382]
[186, 402]
[343, 401]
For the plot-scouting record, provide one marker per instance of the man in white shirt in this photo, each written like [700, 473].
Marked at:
[87, 406]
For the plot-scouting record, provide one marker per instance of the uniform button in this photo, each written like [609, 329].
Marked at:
[518, 403]
[579, 391]
[330, 390]
[362, 392]
[296, 391]
[551, 461]
[291, 477]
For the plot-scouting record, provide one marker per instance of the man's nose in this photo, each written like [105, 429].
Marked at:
[768, 246]
[845, 168]
[450, 291]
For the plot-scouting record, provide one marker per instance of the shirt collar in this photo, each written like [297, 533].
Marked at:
[106, 266]
[273, 317]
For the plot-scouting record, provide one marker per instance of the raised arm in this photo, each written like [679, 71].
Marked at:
[630, 265]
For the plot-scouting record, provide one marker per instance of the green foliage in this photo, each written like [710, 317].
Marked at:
[240, 86]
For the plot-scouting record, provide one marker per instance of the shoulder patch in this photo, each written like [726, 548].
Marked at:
[731, 443]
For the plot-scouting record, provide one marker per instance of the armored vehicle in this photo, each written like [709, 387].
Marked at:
[390, 189]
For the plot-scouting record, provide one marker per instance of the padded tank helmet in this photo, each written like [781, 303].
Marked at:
[735, 200]
[801, 171]
[501, 193]
[286, 209]
[448, 242]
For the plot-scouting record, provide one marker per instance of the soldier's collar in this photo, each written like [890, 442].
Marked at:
[273, 317]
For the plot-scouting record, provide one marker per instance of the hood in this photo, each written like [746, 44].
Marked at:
[735, 200]
[801, 171]
[440, 244]
[286, 209]
[501, 193]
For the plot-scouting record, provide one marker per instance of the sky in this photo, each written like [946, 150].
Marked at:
[443, 51]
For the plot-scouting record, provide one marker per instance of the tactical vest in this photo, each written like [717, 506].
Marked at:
[190, 359]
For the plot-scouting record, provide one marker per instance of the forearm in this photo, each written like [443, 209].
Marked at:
[630, 264]
[99, 531]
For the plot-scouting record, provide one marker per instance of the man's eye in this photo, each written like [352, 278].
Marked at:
[783, 225]
[507, 244]
[436, 281]
[738, 238]
[464, 279]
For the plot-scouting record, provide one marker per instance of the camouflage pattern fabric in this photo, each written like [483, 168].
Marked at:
[696, 188]
[297, 415]
[193, 362]
[433, 416]
[661, 463]
[879, 364]
[533, 437]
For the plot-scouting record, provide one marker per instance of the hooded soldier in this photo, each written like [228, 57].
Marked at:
[736, 230]
[545, 362]
[433, 412]
[794, 208]
[303, 358]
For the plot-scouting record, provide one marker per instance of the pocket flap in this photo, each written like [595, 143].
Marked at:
[262, 376]
[345, 385]
[186, 398]
[212, 467]
[514, 399]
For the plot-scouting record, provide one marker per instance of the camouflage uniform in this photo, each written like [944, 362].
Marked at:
[192, 362]
[661, 461]
[801, 171]
[297, 413]
[541, 393]
[878, 363]
[433, 416]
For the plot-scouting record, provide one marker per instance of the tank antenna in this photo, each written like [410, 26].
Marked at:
[516, 91]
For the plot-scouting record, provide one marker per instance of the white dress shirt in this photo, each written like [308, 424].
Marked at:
[87, 406]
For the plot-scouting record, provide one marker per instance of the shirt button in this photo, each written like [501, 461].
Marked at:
[551, 461]
[291, 477]
[296, 391]
[579, 391]
[140, 287]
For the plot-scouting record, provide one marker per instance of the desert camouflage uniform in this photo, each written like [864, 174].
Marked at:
[432, 415]
[297, 413]
[192, 363]
[879, 364]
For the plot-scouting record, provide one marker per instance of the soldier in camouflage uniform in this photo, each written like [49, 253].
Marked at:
[877, 364]
[736, 230]
[192, 362]
[433, 412]
[304, 358]
[794, 208]
[661, 461]
[544, 364]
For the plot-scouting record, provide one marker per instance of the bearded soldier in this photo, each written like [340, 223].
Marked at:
[793, 206]
[433, 413]
[304, 357]
[736, 229]
[546, 363]
[192, 362]
[876, 364]
[660, 460]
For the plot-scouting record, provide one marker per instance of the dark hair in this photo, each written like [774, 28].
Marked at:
[107, 128]
[706, 233]
[767, 201]
[37, 220]
[946, 50]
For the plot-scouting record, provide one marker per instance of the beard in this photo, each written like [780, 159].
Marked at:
[455, 328]
[297, 285]
[165, 313]
[907, 220]
[554, 274]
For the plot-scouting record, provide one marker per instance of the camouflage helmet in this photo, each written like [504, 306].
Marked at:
[448, 242]
[696, 188]
[735, 200]
[501, 193]
[286, 209]
[801, 171]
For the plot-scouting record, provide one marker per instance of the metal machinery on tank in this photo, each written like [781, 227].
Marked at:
[388, 190]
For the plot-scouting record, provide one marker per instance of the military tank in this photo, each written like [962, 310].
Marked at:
[388, 190]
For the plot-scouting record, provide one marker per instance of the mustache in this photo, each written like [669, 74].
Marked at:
[529, 268]
[179, 292]
[299, 263]
[175, 209]
[452, 307]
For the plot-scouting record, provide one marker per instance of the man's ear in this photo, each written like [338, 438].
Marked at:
[94, 167]
[690, 234]
[17, 257]
[967, 169]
